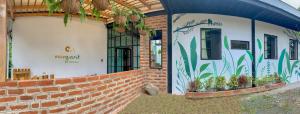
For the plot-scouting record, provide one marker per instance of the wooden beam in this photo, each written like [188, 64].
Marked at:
[145, 4]
[123, 3]
[3, 37]
[11, 8]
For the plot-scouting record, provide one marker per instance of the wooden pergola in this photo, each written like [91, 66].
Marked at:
[20, 8]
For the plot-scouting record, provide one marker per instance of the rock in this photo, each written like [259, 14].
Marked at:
[151, 89]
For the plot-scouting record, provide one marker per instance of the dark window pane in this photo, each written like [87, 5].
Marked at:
[242, 45]
[293, 49]
[270, 47]
[211, 44]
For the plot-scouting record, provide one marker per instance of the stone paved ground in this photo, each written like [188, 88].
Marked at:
[281, 101]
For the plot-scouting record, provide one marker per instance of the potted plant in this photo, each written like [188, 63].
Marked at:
[101, 5]
[136, 16]
[195, 85]
[145, 30]
[70, 6]
[120, 16]
[220, 83]
[119, 28]
[243, 81]
[209, 85]
[233, 83]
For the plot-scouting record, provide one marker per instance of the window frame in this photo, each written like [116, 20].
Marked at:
[150, 57]
[247, 42]
[297, 54]
[265, 46]
[201, 39]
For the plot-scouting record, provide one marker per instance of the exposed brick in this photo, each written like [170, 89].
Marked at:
[63, 81]
[47, 89]
[2, 108]
[49, 104]
[93, 78]
[33, 90]
[27, 83]
[18, 107]
[42, 97]
[79, 79]
[29, 112]
[16, 91]
[2, 92]
[57, 110]
[66, 101]
[66, 88]
[75, 106]
[7, 99]
[76, 92]
[35, 105]
[102, 88]
[9, 84]
[26, 98]
[82, 98]
[45, 82]
[58, 95]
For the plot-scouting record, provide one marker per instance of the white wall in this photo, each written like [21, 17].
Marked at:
[234, 28]
[37, 40]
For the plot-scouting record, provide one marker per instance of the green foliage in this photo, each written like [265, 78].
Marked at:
[185, 59]
[286, 72]
[265, 80]
[193, 52]
[233, 82]
[198, 83]
[220, 83]
[209, 84]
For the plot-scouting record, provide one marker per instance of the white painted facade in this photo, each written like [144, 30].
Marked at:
[37, 41]
[235, 28]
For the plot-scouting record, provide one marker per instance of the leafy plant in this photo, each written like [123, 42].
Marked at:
[286, 72]
[220, 83]
[233, 82]
[243, 81]
[209, 84]
[264, 80]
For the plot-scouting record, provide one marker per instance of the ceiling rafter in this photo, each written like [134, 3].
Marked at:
[144, 2]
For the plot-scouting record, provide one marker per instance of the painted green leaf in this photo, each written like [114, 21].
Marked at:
[295, 64]
[288, 63]
[205, 75]
[250, 55]
[280, 62]
[215, 68]
[226, 43]
[194, 57]
[239, 70]
[185, 60]
[66, 19]
[240, 61]
[261, 57]
[259, 44]
[203, 67]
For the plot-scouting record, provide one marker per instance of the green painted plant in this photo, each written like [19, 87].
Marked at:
[237, 67]
[286, 73]
[260, 56]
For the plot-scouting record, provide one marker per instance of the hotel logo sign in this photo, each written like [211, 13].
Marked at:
[69, 56]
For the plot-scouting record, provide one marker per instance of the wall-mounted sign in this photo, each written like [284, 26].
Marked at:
[69, 56]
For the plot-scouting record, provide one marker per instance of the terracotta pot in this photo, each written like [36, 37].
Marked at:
[120, 29]
[120, 20]
[70, 6]
[142, 32]
[134, 18]
[101, 5]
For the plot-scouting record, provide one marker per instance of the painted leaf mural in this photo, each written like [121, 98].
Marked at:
[226, 43]
[203, 67]
[249, 53]
[194, 57]
[241, 59]
[280, 62]
[185, 59]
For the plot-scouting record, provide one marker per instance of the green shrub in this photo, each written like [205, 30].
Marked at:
[233, 82]
[220, 83]
[209, 84]
[198, 84]
[265, 80]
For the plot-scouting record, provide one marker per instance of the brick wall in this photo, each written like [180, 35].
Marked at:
[89, 94]
[157, 77]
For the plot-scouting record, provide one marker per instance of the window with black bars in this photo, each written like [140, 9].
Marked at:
[270, 46]
[293, 49]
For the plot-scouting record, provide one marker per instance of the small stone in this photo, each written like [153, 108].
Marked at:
[151, 89]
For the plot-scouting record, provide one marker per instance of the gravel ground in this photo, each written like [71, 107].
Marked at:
[287, 102]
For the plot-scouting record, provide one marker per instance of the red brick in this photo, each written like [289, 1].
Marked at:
[45, 82]
[9, 84]
[58, 95]
[7, 99]
[88, 102]
[42, 97]
[47, 89]
[2, 108]
[79, 79]
[66, 101]
[96, 83]
[66, 88]
[102, 88]
[49, 104]
[29, 112]
[82, 98]
[89, 90]
[35, 105]
[104, 77]
[75, 106]
[76, 92]
[83, 85]
[26, 97]
[93, 78]
[18, 107]
[57, 110]
[27, 83]
[33, 90]
[2, 92]
[15, 91]
[62, 81]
